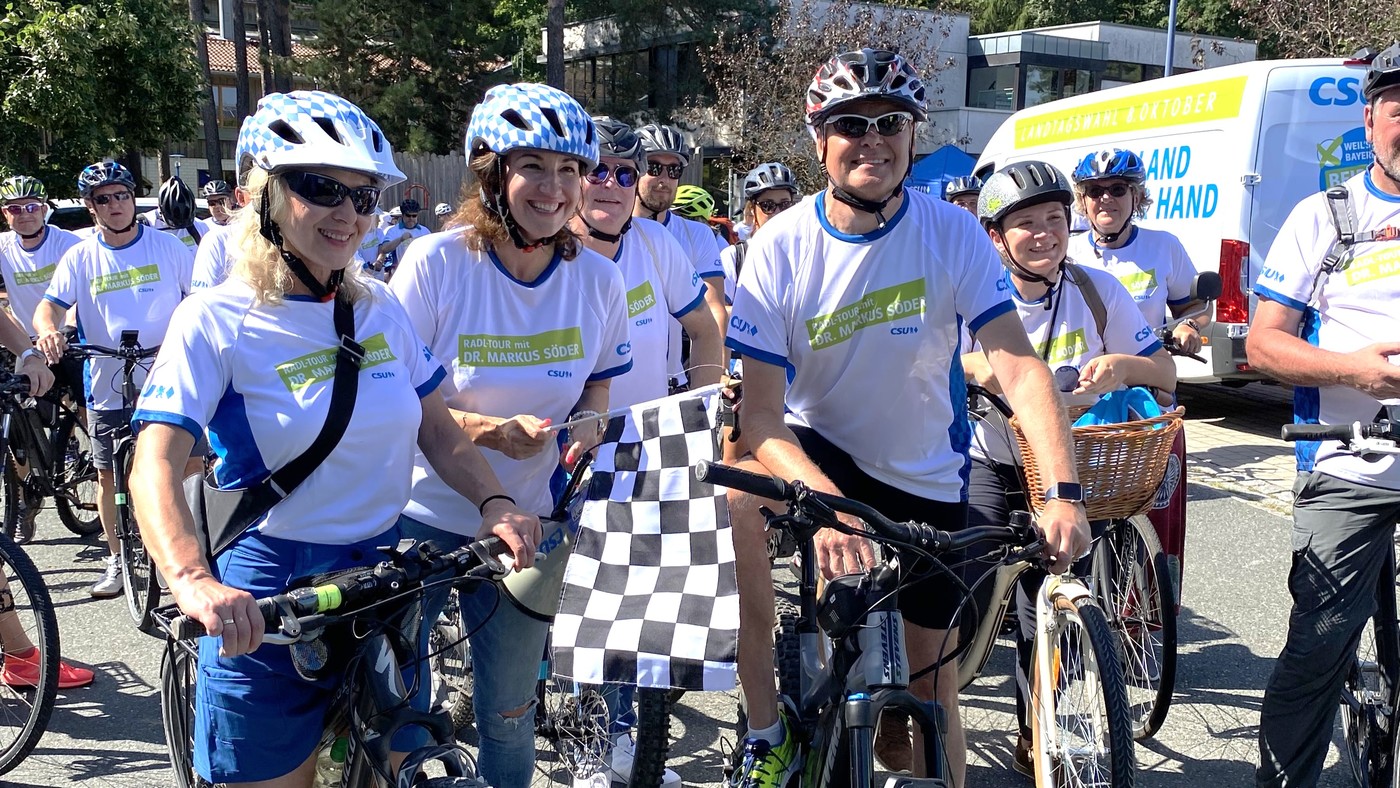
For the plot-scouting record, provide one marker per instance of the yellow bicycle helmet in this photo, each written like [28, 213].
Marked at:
[693, 202]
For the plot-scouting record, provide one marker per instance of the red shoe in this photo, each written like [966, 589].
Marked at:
[22, 670]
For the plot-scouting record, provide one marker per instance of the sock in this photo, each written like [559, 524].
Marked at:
[773, 734]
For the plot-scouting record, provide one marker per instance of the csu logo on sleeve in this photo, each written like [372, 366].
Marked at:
[158, 392]
[624, 348]
[1272, 275]
[743, 326]
[1143, 334]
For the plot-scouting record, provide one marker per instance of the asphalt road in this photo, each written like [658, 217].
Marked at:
[1232, 625]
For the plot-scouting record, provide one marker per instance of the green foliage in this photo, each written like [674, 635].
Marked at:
[80, 82]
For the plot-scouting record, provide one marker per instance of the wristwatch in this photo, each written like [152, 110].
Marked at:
[1194, 326]
[33, 351]
[1072, 492]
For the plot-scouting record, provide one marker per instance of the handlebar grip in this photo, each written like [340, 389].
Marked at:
[1317, 432]
[183, 627]
[770, 487]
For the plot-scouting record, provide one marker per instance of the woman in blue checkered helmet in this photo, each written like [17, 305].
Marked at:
[252, 361]
[532, 326]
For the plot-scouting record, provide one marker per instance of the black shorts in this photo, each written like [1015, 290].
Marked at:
[932, 602]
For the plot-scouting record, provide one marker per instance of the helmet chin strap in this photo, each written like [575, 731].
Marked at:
[497, 204]
[594, 232]
[321, 291]
[1021, 272]
[33, 235]
[1104, 239]
[876, 207]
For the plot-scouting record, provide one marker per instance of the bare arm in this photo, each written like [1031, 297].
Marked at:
[594, 398]
[48, 316]
[714, 299]
[706, 345]
[979, 371]
[1113, 370]
[518, 437]
[16, 340]
[1275, 348]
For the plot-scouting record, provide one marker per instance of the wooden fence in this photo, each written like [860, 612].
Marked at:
[432, 179]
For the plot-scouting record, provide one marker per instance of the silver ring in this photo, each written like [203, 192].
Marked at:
[229, 621]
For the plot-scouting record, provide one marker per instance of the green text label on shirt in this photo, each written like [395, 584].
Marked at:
[1064, 348]
[1140, 282]
[549, 347]
[320, 366]
[125, 280]
[1376, 265]
[640, 299]
[879, 306]
[39, 276]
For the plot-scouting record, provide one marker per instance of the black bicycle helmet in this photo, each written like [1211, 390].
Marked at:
[616, 139]
[409, 206]
[1384, 72]
[177, 203]
[1021, 185]
[216, 189]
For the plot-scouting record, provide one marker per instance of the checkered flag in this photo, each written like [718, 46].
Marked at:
[650, 597]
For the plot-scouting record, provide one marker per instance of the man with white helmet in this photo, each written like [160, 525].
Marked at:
[962, 191]
[769, 189]
[848, 317]
[443, 212]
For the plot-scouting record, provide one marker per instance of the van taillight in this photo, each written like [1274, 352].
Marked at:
[1233, 306]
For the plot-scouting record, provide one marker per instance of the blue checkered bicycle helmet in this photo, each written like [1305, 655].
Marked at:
[1111, 163]
[529, 116]
[104, 173]
[311, 128]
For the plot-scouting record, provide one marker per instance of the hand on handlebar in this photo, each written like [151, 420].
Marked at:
[520, 531]
[39, 374]
[223, 611]
[1187, 338]
[52, 345]
[1066, 534]
[844, 554]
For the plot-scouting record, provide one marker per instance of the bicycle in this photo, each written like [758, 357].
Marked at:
[1371, 690]
[371, 704]
[47, 437]
[140, 585]
[840, 659]
[29, 637]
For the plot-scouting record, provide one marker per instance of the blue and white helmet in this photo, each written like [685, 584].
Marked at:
[104, 173]
[1111, 163]
[963, 184]
[311, 128]
[530, 116]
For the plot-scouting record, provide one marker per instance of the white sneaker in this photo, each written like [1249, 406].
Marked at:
[620, 764]
[111, 583]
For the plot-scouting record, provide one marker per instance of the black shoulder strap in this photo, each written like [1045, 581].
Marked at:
[739, 250]
[1081, 280]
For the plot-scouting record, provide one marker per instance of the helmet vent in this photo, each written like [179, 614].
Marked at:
[329, 128]
[284, 130]
[377, 140]
[554, 123]
[515, 119]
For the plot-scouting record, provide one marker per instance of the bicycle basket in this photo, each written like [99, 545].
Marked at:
[1120, 465]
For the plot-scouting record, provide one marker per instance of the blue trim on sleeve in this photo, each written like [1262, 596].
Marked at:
[48, 297]
[1179, 301]
[756, 354]
[991, 314]
[713, 275]
[164, 417]
[1264, 292]
[861, 238]
[699, 299]
[433, 382]
[1150, 349]
[621, 369]
[960, 427]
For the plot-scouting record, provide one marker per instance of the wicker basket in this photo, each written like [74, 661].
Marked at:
[1120, 465]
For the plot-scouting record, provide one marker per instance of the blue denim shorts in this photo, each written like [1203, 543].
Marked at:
[255, 717]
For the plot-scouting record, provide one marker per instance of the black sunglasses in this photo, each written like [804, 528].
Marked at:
[770, 207]
[673, 171]
[625, 176]
[329, 192]
[856, 126]
[1094, 191]
[103, 199]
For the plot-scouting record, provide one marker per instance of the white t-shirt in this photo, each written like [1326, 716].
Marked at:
[510, 348]
[702, 248]
[1152, 265]
[212, 260]
[369, 247]
[116, 289]
[396, 231]
[259, 379]
[1357, 307]
[158, 223]
[27, 271]
[1074, 341]
[868, 329]
[660, 282]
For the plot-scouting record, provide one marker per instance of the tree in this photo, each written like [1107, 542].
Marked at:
[209, 114]
[79, 82]
[762, 71]
[1334, 28]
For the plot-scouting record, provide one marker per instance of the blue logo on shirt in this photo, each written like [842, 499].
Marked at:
[158, 392]
[624, 348]
[1143, 334]
[1272, 275]
[743, 326]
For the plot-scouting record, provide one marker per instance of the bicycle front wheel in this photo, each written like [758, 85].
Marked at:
[177, 674]
[571, 733]
[11, 488]
[452, 662]
[1081, 733]
[138, 575]
[29, 660]
[76, 498]
[1367, 733]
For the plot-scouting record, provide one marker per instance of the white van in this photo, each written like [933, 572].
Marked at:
[1229, 152]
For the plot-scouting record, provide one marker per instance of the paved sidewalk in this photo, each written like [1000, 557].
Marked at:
[1232, 442]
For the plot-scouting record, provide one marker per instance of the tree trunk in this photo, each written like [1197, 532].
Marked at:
[209, 113]
[554, 44]
[242, 90]
[265, 21]
[281, 34]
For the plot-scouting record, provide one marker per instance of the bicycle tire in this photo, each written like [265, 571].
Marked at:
[1089, 660]
[10, 489]
[1139, 600]
[652, 737]
[452, 662]
[139, 584]
[27, 712]
[571, 733]
[76, 476]
[1367, 734]
[177, 676]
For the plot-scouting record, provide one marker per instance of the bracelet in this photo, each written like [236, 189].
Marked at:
[601, 424]
[1192, 324]
[482, 507]
[33, 351]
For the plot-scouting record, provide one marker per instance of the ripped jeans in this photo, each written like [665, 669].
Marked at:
[506, 648]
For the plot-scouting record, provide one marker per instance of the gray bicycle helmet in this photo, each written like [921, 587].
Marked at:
[216, 189]
[616, 139]
[664, 139]
[770, 175]
[1021, 185]
[963, 184]
[1383, 74]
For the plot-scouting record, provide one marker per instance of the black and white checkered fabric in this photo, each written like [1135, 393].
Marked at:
[650, 597]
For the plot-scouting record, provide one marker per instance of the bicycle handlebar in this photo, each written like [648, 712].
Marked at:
[133, 352]
[12, 384]
[285, 614]
[916, 535]
[1340, 432]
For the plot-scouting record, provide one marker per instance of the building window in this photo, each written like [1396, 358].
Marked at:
[226, 106]
[1042, 85]
[992, 88]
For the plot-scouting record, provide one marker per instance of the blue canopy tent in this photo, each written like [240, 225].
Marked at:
[936, 169]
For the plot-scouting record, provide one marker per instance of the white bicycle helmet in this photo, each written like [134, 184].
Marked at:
[442, 209]
[664, 139]
[529, 116]
[865, 73]
[310, 128]
[771, 175]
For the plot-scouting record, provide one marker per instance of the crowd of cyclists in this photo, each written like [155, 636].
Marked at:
[560, 289]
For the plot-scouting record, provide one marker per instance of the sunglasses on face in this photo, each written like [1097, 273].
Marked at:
[329, 192]
[770, 207]
[412, 216]
[673, 171]
[1117, 190]
[103, 199]
[625, 176]
[856, 126]
[31, 207]
[218, 203]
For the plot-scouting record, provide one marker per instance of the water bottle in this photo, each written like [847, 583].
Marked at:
[330, 764]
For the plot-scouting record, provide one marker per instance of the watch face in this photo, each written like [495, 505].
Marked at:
[1065, 491]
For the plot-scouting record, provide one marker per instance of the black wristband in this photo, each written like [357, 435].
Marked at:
[482, 507]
